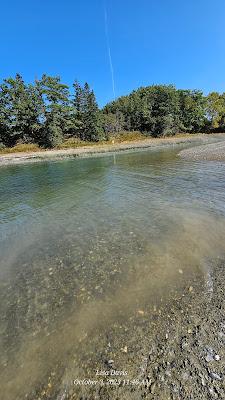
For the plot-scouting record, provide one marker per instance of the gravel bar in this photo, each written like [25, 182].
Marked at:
[208, 152]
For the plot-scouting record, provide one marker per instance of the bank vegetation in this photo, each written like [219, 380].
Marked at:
[49, 114]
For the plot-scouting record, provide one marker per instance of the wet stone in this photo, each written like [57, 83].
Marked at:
[209, 358]
[215, 376]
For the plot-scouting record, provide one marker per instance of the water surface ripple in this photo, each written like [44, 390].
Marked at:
[86, 243]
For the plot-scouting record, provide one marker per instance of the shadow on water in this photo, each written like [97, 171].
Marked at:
[101, 245]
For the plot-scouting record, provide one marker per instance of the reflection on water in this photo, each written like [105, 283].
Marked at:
[87, 246]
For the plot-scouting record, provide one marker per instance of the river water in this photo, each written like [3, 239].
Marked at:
[88, 244]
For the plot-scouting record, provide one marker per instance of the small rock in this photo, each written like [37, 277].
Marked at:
[110, 362]
[190, 289]
[175, 388]
[217, 357]
[213, 393]
[124, 349]
[185, 376]
[184, 343]
[180, 271]
[189, 331]
[209, 357]
[214, 375]
[141, 312]
[153, 386]
[221, 335]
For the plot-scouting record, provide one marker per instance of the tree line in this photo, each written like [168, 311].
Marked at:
[162, 110]
[47, 112]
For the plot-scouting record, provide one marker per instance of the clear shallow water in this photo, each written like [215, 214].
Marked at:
[85, 244]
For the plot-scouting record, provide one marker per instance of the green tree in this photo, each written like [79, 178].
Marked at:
[153, 109]
[192, 110]
[92, 125]
[112, 123]
[56, 114]
[79, 103]
[216, 110]
[19, 114]
[87, 113]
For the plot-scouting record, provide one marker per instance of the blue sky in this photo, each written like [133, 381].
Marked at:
[152, 41]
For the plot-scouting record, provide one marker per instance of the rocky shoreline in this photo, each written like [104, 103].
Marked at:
[179, 355]
[208, 152]
[54, 155]
[188, 361]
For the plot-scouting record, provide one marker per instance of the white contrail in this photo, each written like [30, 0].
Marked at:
[109, 52]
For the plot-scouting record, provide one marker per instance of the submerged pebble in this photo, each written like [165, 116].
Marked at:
[209, 357]
[180, 271]
[216, 376]
[124, 349]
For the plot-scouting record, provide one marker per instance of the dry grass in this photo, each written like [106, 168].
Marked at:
[21, 148]
[127, 137]
[73, 143]
[118, 138]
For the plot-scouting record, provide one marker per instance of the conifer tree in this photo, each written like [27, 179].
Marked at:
[92, 121]
[19, 116]
[78, 103]
[87, 112]
[56, 112]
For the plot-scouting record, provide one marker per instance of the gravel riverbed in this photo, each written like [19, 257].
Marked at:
[176, 352]
[207, 152]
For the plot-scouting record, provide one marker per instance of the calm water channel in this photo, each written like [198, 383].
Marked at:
[86, 244]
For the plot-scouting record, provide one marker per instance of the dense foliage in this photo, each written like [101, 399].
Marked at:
[161, 110]
[47, 113]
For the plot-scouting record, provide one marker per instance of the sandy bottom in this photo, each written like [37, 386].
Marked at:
[179, 355]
